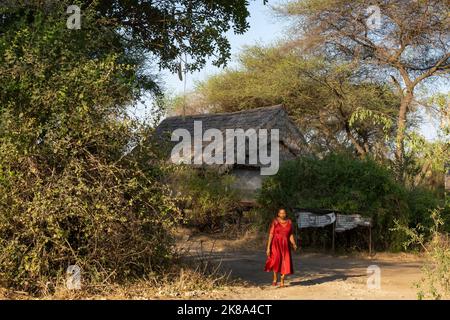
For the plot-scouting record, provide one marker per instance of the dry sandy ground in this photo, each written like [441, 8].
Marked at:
[316, 276]
[320, 276]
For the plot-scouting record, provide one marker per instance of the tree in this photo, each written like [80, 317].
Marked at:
[69, 191]
[168, 31]
[333, 106]
[173, 30]
[426, 160]
[68, 195]
[410, 45]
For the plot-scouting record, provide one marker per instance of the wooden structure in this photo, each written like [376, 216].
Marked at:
[247, 176]
[341, 223]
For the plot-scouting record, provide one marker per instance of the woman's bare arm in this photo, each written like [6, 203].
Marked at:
[292, 240]
[269, 242]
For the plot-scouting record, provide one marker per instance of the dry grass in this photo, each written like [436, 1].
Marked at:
[245, 239]
[184, 283]
[193, 275]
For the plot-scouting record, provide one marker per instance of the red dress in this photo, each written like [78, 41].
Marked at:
[280, 259]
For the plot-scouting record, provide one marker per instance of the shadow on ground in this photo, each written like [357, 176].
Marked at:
[309, 269]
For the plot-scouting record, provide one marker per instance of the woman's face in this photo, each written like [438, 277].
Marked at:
[282, 213]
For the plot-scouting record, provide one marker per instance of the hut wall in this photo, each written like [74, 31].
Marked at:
[247, 181]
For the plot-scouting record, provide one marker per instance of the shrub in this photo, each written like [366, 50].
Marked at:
[208, 199]
[340, 182]
[435, 243]
[110, 220]
[69, 194]
[420, 201]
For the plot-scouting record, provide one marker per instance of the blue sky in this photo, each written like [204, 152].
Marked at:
[265, 28]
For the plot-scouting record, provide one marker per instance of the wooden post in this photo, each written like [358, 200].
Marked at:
[370, 240]
[334, 227]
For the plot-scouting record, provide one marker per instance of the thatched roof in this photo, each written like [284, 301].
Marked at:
[292, 141]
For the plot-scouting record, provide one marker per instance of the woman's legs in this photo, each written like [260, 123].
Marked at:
[274, 278]
[282, 280]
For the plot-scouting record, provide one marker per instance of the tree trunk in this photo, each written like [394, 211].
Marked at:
[355, 142]
[419, 178]
[401, 129]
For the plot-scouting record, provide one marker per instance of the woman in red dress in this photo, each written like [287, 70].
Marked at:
[279, 258]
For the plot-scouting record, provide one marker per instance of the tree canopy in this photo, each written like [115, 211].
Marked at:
[70, 193]
[334, 106]
[409, 44]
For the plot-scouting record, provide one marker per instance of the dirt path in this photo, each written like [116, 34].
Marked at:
[317, 276]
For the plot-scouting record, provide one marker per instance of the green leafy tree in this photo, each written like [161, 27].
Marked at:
[70, 191]
[409, 44]
[168, 30]
[332, 105]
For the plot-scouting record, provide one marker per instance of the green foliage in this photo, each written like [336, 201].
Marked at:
[342, 183]
[169, 31]
[69, 193]
[435, 242]
[109, 219]
[408, 49]
[336, 107]
[425, 161]
[174, 30]
[420, 201]
[208, 198]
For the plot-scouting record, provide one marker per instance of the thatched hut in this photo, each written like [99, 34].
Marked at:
[248, 176]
